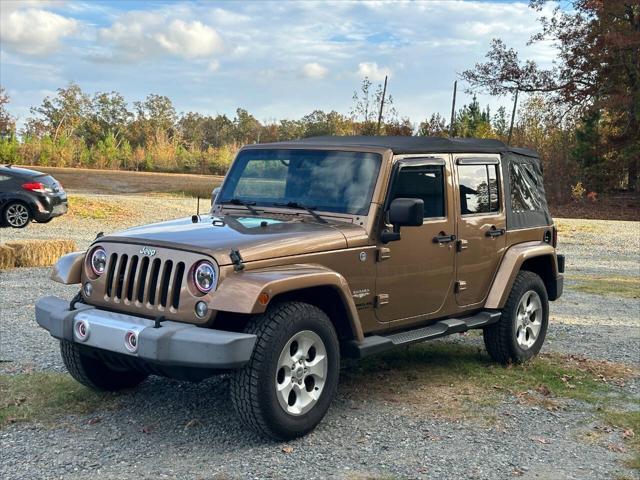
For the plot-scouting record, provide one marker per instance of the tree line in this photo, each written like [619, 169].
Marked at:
[581, 115]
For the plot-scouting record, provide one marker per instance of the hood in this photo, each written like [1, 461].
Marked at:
[257, 238]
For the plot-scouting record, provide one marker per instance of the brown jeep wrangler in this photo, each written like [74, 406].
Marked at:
[315, 250]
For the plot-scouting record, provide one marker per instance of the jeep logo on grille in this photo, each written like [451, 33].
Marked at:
[148, 251]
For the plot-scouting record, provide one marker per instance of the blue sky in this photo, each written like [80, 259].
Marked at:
[276, 59]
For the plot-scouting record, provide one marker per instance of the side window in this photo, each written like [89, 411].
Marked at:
[525, 192]
[479, 192]
[425, 182]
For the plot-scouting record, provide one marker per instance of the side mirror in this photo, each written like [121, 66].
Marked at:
[214, 195]
[403, 212]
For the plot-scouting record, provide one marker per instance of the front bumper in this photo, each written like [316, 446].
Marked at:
[172, 344]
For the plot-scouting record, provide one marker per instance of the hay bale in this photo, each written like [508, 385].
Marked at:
[7, 257]
[40, 253]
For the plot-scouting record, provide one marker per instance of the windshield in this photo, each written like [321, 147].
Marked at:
[330, 181]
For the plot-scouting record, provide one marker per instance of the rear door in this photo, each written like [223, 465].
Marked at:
[481, 226]
[415, 274]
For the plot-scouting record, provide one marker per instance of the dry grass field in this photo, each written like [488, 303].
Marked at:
[82, 180]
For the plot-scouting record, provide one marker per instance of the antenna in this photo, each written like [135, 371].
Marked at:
[453, 108]
[384, 93]
[196, 218]
[513, 116]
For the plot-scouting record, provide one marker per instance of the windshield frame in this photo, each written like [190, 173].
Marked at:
[373, 188]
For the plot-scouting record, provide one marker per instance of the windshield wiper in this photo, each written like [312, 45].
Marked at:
[311, 210]
[247, 205]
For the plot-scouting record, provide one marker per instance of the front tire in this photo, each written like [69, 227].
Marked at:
[286, 388]
[519, 334]
[16, 215]
[95, 374]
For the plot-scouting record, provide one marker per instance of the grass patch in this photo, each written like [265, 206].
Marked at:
[629, 423]
[34, 253]
[45, 397]
[627, 287]
[201, 191]
[92, 208]
[452, 381]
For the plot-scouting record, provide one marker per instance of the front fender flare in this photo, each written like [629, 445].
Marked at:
[239, 292]
[68, 268]
[510, 266]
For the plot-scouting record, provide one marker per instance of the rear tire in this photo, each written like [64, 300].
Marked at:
[519, 334]
[93, 373]
[286, 388]
[16, 214]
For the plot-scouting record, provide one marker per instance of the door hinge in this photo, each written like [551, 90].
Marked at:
[382, 299]
[461, 285]
[384, 253]
[462, 245]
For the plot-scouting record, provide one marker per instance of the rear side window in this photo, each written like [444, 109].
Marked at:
[479, 191]
[525, 188]
[425, 182]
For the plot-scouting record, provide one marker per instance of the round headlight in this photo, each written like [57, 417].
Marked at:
[98, 261]
[204, 276]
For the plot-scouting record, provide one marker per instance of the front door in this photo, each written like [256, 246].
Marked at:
[415, 273]
[481, 226]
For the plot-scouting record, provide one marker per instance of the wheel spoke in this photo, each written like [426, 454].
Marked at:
[317, 367]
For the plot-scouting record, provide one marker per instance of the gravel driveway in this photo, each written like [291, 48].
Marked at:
[170, 429]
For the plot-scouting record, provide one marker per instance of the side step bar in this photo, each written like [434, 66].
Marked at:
[379, 343]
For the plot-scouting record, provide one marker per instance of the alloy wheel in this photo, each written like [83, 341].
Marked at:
[301, 373]
[528, 319]
[17, 215]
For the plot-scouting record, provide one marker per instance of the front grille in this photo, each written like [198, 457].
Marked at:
[144, 281]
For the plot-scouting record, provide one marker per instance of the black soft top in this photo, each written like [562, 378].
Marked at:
[400, 144]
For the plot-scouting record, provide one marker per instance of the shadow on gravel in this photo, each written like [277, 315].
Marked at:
[440, 379]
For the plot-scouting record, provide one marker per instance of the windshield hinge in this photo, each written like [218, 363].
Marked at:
[236, 259]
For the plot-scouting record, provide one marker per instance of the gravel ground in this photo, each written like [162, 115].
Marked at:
[170, 429]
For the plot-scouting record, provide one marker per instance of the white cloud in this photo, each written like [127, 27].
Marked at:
[213, 66]
[314, 70]
[373, 71]
[190, 39]
[139, 35]
[33, 31]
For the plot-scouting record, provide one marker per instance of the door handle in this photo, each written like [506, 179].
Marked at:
[495, 232]
[442, 238]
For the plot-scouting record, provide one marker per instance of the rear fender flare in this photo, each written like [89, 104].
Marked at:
[239, 292]
[511, 264]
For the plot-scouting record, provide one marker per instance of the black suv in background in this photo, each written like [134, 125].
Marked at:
[27, 195]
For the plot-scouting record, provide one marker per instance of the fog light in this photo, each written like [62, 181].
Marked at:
[201, 309]
[88, 289]
[131, 341]
[81, 329]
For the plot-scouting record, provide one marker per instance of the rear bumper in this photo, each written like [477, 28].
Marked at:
[173, 344]
[557, 285]
[50, 207]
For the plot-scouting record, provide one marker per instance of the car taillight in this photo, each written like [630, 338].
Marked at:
[554, 240]
[35, 187]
